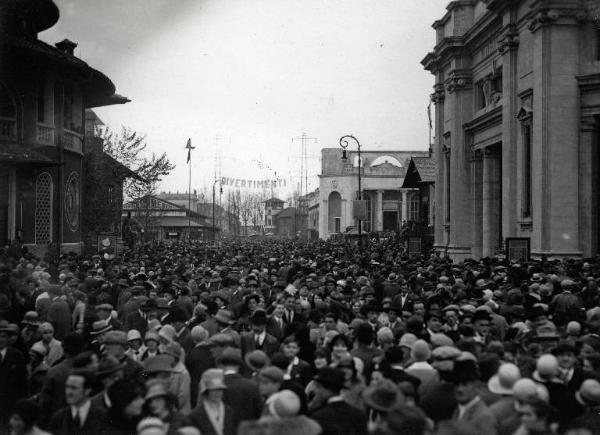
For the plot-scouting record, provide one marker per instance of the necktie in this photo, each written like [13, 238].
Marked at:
[257, 341]
[77, 420]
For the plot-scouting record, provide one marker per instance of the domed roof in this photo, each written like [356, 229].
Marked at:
[28, 16]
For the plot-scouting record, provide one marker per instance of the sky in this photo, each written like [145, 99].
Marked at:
[244, 79]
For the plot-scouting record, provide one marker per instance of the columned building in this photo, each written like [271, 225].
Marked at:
[44, 91]
[382, 174]
[517, 97]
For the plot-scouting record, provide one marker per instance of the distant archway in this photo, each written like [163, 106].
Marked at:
[386, 159]
[334, 212]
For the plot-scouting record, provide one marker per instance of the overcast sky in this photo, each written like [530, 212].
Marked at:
[257, 73]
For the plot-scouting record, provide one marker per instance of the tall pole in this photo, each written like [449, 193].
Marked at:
[189, 147]
[344, 142]
[213, 208]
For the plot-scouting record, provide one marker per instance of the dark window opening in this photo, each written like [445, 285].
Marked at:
[527, 179]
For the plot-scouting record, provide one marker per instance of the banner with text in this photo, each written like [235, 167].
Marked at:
[240, 183]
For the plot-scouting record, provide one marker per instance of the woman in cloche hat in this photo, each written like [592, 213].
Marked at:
[211, 415]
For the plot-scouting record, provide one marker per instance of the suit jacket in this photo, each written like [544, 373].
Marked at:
[136, 321]
[199, 419]
[301, 372]
[59, 315]
[185, 340]
[197, 361]
[270, 344]
[407, 305]
[62, 423]
[52, 396]
[339, 418]
[13, 380]
[275, 329]
[480, 417]
[243, 395]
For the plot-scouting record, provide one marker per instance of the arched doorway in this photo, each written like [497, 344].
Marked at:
[334, 213]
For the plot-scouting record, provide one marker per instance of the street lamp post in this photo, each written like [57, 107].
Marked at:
[344, 142]
[218, 180]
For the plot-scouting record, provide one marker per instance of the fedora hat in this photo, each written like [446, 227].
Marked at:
[384, 396]
[212, 379]
[156, 388]
[158, 364]
[463, 371]
[31, 318]
[108, 365]
[331, 378]
[256, 360]
[224, 316]
[564, 346]
[116, 337]
[100, 327]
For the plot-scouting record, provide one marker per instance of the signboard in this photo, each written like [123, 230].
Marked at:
[415, 245]
[518, 248]
[107, 246]
[360, 209]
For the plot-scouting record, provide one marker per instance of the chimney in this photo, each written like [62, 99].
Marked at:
[66, 46]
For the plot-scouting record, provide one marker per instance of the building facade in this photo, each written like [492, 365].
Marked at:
[382, 174]
[44, 91]
[273, 207]
[517, 110]
[158, 219]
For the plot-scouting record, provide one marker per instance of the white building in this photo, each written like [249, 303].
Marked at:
[382, 175]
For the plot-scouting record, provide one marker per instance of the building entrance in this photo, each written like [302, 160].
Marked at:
[390, 221]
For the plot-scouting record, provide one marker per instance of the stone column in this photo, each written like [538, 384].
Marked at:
[404, 216]
[589, 182]
[12, 203]
[491, 201]
[477, 203]
[379, 209]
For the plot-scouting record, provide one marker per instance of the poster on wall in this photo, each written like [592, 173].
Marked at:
[415, 245]
[107, 246]
[360, 209]
[518, 248]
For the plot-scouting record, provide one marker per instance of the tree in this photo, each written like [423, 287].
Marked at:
[129, 148]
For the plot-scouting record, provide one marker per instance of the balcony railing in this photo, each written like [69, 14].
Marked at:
[72, 141]
[45, 134]
[8, 128]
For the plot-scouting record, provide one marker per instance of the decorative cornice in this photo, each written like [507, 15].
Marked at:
[493, 117]
[439, 93]
[590, 82]
[459, 80]
[509, 39]
[557, 12]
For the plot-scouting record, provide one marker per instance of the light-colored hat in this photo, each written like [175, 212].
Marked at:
[156, 388]
[284, 404]
[420, 350]
[199, 334]
[589, 393]
[100, 327]
[503, 381]
[212, 379]
[39, 348]
[547, 366]
[407, 340]
[151, 426]
[168, 333]
[223, 316]
[133, 334]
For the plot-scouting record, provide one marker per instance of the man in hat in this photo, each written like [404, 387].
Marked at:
[258, 338]
[109, 370]
[52, 396]
[177, 318]
[225, 323]
[59, 313]
[13, 375]
[242, 394]
[570, 373]
[139, 318]
[588, 397]
[471, 409]
[198, 360]
[115, 345]
[336, 417]
[104, 312]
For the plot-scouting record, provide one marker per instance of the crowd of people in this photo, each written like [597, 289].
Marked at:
[266, 337]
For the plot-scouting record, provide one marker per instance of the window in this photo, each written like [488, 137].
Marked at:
[43, 209]
[41, 101]
[527, 170]
[413, 207]
[334, 212]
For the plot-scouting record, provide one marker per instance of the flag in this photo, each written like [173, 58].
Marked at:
[189, 148]
[429, 114]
